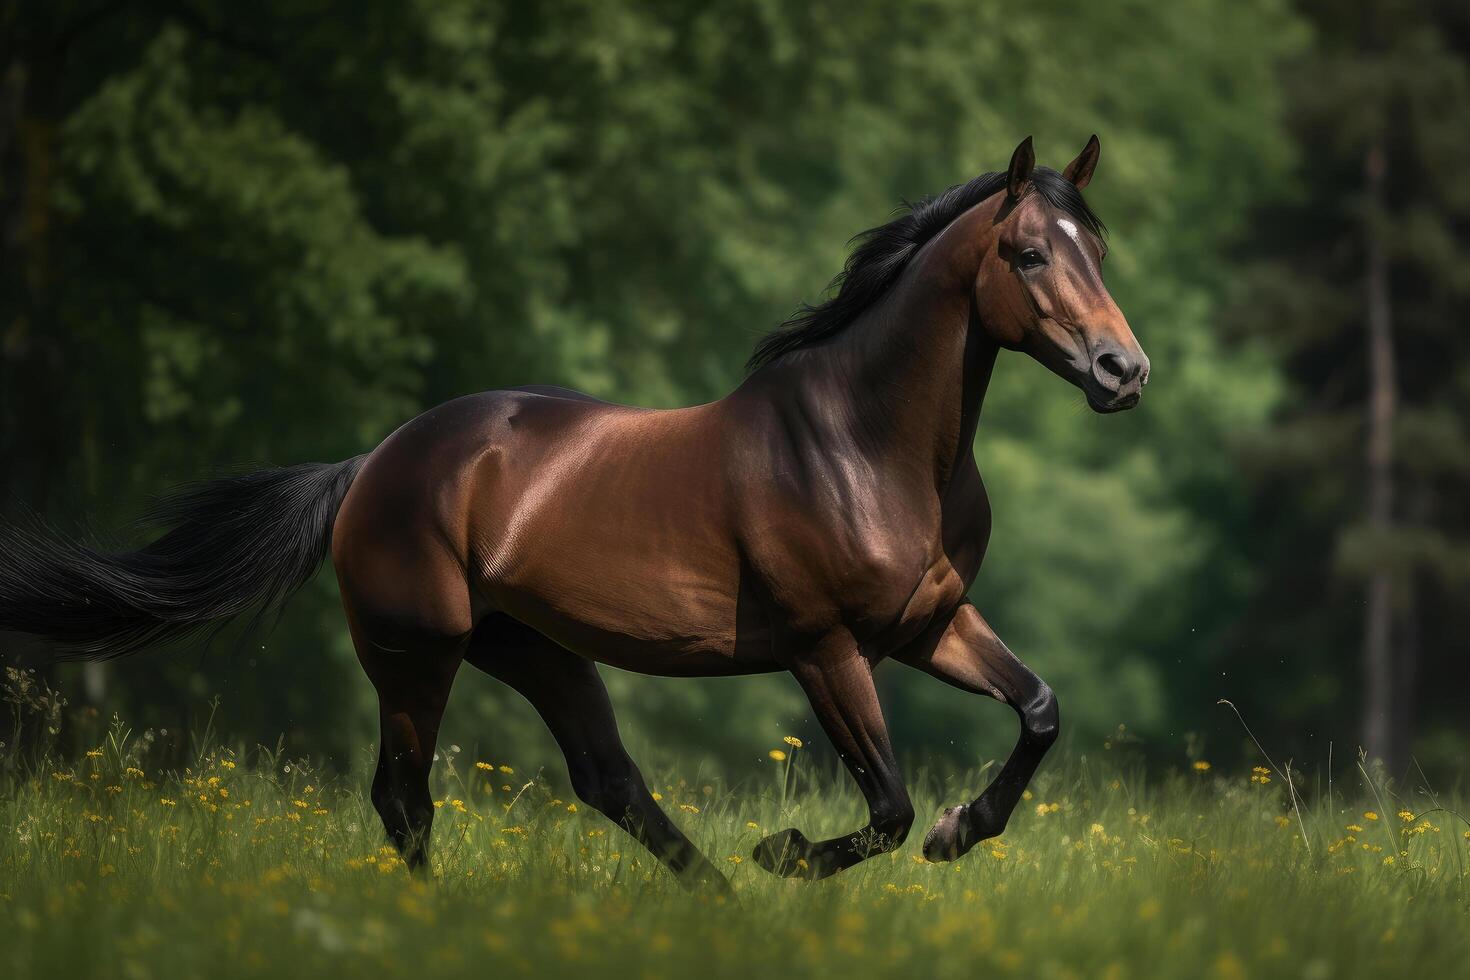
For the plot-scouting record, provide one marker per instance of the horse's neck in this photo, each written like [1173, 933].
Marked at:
[918, 363]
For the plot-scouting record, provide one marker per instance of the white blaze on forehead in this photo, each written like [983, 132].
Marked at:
[1071, 230]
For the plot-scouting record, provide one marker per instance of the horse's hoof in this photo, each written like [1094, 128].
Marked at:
[784, 854]
[948, 838]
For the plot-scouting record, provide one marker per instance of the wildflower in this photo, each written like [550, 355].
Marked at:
[792, 741]
[1200, 765]
[299, 804]
[226, 764]
[1283, 821]
[94, 753]
[1406, 816]
[134, 772]
[735, 859]
[168, 802]
[571, 808]
[484, 765]
[1097, 830]
[657, 796]
[752, 825]
[1370, 815]
[777, 755]
[1388, 861]
[1025, 794]
[507, 770]
[688, 807]
[458, 805]
[1355, 828]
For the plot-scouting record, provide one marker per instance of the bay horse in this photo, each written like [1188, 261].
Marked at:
[826, 515]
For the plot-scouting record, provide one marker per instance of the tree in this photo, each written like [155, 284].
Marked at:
[1361, 474]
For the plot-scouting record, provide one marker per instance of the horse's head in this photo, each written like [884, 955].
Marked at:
[1041, 289]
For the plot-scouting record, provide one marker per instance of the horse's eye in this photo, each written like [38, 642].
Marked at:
[1032, 259]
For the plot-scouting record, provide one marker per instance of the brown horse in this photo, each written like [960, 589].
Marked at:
[824, 516]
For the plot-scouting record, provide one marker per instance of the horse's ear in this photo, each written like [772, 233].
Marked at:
[1023, 161]
[1079, 171]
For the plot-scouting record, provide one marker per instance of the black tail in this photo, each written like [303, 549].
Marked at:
[235, 544]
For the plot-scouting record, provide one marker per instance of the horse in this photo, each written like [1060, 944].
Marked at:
[823, 517]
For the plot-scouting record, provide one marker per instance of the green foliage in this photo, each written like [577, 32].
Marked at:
[274, 234]
[1391, 74]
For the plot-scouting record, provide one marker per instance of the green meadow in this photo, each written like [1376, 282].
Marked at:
[253, 863]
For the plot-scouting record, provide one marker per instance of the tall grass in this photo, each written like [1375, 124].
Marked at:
[248, 863]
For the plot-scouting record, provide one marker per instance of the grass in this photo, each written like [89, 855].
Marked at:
[246, 864]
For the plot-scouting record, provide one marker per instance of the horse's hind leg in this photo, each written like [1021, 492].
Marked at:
[412, 678]
[971, 657]
[567, 692]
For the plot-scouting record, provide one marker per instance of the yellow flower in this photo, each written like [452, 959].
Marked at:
[688, 807]
[1355, 828]
[792, 741]
[1283, 821]
[94, 753]
[134, 772]
[657, 796]
[1406, 816]
[777, 755]
[226, 764]
[571, 808]
[484, 765]
[735, 859]
[168, 802]
[1097, 830]
[507, 770]
[752, 825]
[1370, 815]
[1200, 765]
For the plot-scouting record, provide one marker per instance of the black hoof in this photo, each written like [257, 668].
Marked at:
[784, 854]
[949, 838]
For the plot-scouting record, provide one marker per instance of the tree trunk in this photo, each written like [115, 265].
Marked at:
[1383, 733]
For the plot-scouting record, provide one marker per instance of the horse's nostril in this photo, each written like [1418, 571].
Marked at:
[1115, 369]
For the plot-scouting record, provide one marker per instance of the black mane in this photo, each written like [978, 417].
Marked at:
[882, 253]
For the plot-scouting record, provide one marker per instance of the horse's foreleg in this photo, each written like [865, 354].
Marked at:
[968, 655]
[838, 680]
[568, 693]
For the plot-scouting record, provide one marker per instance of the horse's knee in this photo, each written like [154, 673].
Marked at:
[1040, 720]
